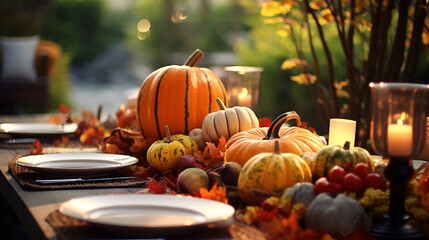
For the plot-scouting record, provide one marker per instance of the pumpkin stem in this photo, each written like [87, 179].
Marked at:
[195, 57]
[273, 131]
[346, 145]
[168, 137]
[276, 147]
[220, 103]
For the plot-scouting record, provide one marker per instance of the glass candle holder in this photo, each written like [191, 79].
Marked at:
[398, 124]
[398, 132]
[242, 85]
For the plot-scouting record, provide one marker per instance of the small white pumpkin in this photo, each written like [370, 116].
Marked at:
[338, 215]
[227, 122]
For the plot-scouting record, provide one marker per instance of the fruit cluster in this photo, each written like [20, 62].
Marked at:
[358, 180]
[192, 176]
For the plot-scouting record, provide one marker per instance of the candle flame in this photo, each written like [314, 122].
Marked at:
[244, 92]
[401, 120]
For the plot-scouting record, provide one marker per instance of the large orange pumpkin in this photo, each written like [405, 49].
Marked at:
[178, 96]
[244, 145]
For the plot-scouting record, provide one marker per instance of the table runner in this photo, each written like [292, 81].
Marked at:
[26, 178]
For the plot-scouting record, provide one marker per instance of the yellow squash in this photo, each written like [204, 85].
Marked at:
[162, 154]
[273, 172]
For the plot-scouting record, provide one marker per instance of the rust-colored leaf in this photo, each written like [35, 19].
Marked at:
[212, 154]
[264, 122]
[217, 193]
[64, 109]
[36, 148]
[156, 187]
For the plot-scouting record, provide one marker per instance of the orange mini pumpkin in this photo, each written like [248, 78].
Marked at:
[244, 145]
[178, 96]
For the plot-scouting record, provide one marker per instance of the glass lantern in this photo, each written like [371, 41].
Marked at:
[242, 86]
[398, 124]
[398, 132]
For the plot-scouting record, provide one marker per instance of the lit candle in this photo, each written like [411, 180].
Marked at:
[399, 138]
[342, 131]
[244, 99]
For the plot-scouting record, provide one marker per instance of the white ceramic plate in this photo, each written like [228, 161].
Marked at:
[37, 128]
[147, 213]
[76, 164]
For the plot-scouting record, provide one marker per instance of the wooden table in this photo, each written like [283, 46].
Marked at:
[33, 206]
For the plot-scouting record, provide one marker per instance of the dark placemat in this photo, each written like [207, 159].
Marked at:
[27, 179]
[70, 228]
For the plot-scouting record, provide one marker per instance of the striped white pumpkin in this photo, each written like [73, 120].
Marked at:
[227, 122]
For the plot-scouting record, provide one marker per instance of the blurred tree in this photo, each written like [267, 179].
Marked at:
[261, 46]
[81, 27]
[22, 17]
[336, 48]
[181, 27]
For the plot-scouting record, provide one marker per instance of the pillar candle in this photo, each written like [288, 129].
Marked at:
[342, 130]
[244, 98]
[399, 139]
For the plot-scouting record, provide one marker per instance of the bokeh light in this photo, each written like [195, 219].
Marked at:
[143, 29]
[179, 16]
[143, 25]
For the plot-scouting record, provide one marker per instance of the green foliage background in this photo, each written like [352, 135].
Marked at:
[83, 28]
[86, 29]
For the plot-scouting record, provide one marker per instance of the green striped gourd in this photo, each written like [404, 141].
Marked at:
[345, 157]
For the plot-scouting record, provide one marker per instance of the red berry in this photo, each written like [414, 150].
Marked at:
[336, 174]
[334, 188]
[267, 206]
[373, 180]
[352, 182]
[321, 185]
[361, 169]
[283, 211]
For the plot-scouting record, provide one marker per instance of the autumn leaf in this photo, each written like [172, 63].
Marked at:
[156, 187]
[425, 38]
[304, 79]
[339, 89]
[264, 122]
[139, 145]
[36, 148]
[341, 84]
[318, 4]
[326, 17]
[293, 62]
[64, 109]
[342, 93]
[212, 155]
[92, 136]
[216, 193]
[282, 33]
[274, 8]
